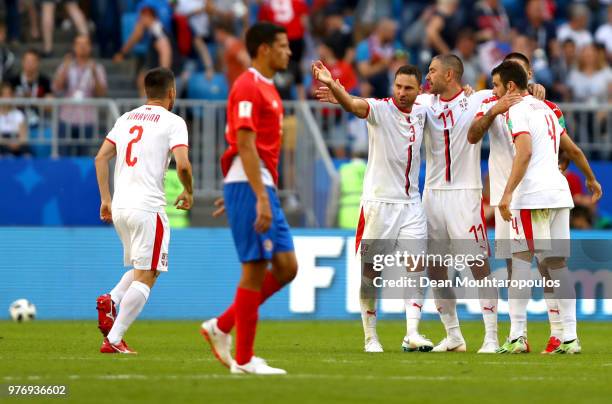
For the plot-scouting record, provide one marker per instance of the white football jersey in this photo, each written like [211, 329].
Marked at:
[452, 162]
[543, 185]
[395, 138]
[144, 138]
[501, 152]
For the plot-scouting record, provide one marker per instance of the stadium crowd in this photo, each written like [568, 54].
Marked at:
[362, 42]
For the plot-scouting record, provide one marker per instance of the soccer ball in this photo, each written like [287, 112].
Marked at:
[22, 310]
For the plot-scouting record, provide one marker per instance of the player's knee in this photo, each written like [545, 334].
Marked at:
[290, 271]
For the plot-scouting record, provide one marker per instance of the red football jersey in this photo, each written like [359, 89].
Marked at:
[286, 13]
[254, 104]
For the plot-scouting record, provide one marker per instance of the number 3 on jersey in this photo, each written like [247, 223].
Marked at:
[128, 155]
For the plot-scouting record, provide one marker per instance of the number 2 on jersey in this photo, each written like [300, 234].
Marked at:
[128, 155]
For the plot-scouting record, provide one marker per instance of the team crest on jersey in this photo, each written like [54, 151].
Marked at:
[268, 245]
[420, 120]
[463, 103]
[164, 260]
[274, 104]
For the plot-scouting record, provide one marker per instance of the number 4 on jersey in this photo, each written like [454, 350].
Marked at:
[128, 155]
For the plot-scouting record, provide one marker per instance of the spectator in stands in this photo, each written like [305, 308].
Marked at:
[235, 12]
[13, 126]
[576, 28]
[7, 58]
[30, 83]
[466, 51]
[79, 77]
[443, 26]
[12, 19]
[374, 56]
[603, 34]
[160, 50]
[48, 21]
[293, 15]
[106, 15]
[538, 27]
[542, 73]
[591, 82]
[196, 11]
[336, 27]
[561, 67]
[339, 69]
[492, 21]
[235, 56]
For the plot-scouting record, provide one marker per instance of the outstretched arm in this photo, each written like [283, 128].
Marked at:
[357, 106]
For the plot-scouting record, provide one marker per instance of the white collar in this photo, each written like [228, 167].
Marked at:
[260, 76]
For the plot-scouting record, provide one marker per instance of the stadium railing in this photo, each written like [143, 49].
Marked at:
[308, 176]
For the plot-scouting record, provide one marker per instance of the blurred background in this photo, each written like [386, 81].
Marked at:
[69, 69]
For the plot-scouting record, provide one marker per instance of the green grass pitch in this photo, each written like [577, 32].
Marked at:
[324, 360]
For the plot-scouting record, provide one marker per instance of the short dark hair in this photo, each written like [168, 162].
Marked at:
[452, 62]
[157, 82]
[261, 33]
[410, 70]
[32, 51]
[511, 71]
[517, 56]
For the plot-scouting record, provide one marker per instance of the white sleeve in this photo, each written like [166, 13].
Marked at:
[425, 99]
[112, 135]
[483, 108]
[178, 136]
[516, 119]
[373, 114]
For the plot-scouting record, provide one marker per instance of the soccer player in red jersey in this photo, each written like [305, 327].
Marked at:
[259, 228]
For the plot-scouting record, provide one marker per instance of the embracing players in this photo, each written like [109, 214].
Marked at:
[491, 119]
[259, 228]
[537, 200]
[142, 140]
[391, 210]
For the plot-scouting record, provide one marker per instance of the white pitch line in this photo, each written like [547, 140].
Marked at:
[293, 376]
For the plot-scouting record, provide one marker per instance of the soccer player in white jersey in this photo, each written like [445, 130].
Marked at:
[452, 197]
[490, 118]
[390, 203]
[142, 141]
[537, 200]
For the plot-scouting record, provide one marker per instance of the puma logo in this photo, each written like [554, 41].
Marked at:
[556, 311]
[419, 306]
[439, 309]
[371, 313]
[491, 309]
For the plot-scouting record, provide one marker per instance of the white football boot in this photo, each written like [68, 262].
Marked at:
[449, 344]
[220, 342]
[256, 366]
[416, 342]
[373, 345]
[489, 347]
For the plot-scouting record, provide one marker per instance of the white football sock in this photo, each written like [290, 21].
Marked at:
[119, 290]
[519, 298]
[488, 306]
[566, 298]
[132, 304]
[446, 304]
[415, 296]
[554, 315]
[367, 301]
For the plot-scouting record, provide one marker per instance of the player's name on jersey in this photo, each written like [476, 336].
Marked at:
[140, 116]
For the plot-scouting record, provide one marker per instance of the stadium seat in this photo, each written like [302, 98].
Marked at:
[200, 88]
[128, 20]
